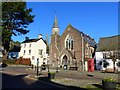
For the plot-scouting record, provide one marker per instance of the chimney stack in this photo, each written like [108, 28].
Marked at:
[26, 38]
[40, 36]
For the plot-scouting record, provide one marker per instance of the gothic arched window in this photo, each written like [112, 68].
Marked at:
[69, 43]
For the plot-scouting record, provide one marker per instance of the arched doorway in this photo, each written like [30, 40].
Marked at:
[64, 62]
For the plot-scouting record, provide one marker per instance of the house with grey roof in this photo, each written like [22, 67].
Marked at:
[35, 50]
[107, 50]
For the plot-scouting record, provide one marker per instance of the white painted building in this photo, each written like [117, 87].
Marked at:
[34, 49]
[100, 61]
[107, 47]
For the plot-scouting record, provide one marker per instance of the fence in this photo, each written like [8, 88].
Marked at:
[23, 61]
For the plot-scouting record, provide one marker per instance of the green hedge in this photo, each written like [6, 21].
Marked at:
[9, 61]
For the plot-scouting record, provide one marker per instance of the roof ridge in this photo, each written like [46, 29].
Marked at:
[110, 37]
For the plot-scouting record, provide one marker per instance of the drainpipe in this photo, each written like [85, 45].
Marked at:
[82, 53]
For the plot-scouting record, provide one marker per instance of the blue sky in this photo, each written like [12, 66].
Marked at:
[97, 19]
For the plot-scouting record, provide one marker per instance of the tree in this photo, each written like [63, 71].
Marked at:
[15, 20]
[14, 46]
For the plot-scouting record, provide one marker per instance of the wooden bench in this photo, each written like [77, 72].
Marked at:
[109, 70]
[73, 68]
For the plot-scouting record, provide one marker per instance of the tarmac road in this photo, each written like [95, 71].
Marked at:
[64, 77]
[22, 81]
[17, 78]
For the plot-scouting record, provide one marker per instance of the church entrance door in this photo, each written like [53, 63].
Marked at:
[64, 62]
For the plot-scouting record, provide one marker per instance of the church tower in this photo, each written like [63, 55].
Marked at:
[54, 43]
[55, 28]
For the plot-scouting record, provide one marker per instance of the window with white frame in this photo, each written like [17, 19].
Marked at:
[30, 46]
[33, 57]
[24, 52]
[29, 52]
[69, 43]
[40, 51]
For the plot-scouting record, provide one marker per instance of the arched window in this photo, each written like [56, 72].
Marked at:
[69, 43]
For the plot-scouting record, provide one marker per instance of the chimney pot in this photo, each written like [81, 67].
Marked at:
[40, 36]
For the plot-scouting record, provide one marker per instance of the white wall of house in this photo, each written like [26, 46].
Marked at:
[35, 48]
[99, 58]
[117, 67]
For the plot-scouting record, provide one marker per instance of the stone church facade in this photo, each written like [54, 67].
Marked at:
[71, 49]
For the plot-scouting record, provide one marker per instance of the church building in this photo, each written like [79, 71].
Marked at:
[71, 49]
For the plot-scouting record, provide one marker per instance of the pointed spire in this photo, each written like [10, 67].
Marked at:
[55, 28]
[55, 24]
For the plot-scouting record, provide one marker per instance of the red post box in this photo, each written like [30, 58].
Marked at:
[90, 65]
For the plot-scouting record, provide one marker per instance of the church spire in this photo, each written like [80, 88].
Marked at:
[55, 24]
[55, 28]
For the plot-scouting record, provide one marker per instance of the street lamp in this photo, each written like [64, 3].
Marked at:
[37, 66]
[57, 66]
[48, 65]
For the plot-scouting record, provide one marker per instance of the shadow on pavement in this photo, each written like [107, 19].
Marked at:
[12, 82]
[18, 83]
[110, 72]
[21, 76]
[48, 80]
[98, 85]
[89, 75]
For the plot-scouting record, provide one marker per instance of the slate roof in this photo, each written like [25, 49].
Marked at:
[33, 40]
[30, 40]
[109, 43]
[87, 38]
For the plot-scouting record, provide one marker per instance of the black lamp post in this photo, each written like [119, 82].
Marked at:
[37, 66]
[48, 66]
[57, 66]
